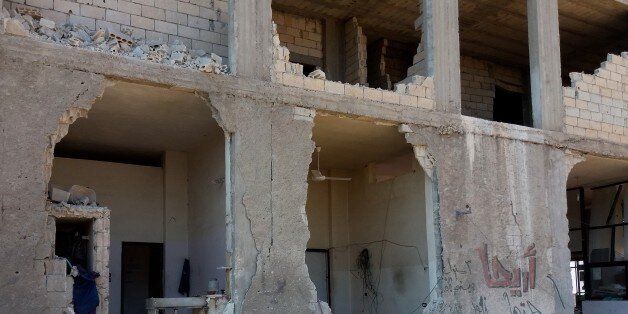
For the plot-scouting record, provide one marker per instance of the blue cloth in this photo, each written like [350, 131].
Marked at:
[85, 294]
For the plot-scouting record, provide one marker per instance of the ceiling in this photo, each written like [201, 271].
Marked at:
[349, 144]
[137, 123]
[495, 30]
[596, 171]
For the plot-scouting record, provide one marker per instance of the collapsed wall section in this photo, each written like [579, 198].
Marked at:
[199, 24]
[596, 105]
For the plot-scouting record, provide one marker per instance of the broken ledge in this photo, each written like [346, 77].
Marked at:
[70, 211]
[30, 51]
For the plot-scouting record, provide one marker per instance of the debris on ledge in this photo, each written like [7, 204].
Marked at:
[30, 23]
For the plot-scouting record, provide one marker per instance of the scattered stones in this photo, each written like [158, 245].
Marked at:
[29, 22]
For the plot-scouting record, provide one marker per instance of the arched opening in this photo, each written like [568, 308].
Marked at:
[597, 210]
[366, 210]
[155, 158]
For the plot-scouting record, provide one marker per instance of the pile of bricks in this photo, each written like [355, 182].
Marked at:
[478, 79]
[200, 24]
[596, 106]
[300, 34]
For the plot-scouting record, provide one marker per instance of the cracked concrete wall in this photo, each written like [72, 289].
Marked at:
[271, 151]
[502, 229]
[37, 103]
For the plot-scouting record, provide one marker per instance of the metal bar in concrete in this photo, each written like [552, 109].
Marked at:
[442, 48]
[251, 39]
[544, 45]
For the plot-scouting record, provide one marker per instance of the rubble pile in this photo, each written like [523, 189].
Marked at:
[30, 23]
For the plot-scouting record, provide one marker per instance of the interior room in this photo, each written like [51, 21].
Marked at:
[155, 158]
[366, 211]
[597, 204]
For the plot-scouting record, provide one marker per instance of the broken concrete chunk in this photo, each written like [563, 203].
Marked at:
[15, 27]
[46, 23]
[317, 74]
[80, 195]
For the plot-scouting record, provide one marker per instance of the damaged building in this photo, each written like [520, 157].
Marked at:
[307, 156]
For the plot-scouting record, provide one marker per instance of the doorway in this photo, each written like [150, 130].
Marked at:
[142, 274]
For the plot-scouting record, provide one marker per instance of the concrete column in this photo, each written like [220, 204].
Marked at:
[250, 38]
[442, 48]
[334, 48]
[175, 167]
[545, 82]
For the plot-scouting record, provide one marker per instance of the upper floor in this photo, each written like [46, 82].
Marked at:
[555, 65]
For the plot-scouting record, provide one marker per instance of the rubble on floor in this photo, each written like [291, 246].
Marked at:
[31, 24]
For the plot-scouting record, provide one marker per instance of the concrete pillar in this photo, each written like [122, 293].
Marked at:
[442, 48]
[334, 48]
[250, 38]
[545, 82]
[175, 167]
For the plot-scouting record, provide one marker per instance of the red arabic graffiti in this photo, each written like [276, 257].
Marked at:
[520, 281]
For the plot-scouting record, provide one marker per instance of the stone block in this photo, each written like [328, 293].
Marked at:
[92, 11]
[142, 22]
[390, 97]
[354, 90]
[409, 100]
[129, 7]
[118, 17]
[293, 80]
[314, 84]
[188, 8]
[426, 103]
[165, 27]
[56, 283]
[153, 13]
[373, 94]
[67, 7]
[335, 87]
[55, 266]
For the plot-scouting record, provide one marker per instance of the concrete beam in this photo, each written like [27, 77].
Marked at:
[442, 48]
[545, 82]
[251, 38]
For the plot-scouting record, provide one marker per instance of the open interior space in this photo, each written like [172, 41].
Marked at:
[156, 160]
[366, 210]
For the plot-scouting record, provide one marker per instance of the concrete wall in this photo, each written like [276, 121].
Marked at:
[133, 194]
[596, 105]
[393, 210]
[479, 78]
[511, 218]
[207, 222]
[301, 35]
[200, 24]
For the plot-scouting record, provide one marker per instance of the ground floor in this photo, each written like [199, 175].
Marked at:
[243, 196]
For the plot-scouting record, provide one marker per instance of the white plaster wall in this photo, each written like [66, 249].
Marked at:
[175, 238]
[206, 223]
[356, 214]
[134, 194]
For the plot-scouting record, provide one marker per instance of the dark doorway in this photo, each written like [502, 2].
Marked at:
[142, 274]
[508, 107]
[72, 241]
[317, 261]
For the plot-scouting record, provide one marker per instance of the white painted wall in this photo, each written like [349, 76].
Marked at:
[207, 227]
[175, 238]
[134, 194]
[356, 212]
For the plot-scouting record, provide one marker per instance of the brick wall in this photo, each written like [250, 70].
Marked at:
[200, 24]
[479, 78]
[388, 62]
[596, 106]
[355, 53]
[301, 35]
